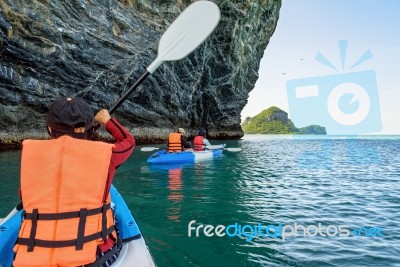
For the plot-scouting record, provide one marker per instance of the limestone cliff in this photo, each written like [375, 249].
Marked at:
[96, 49]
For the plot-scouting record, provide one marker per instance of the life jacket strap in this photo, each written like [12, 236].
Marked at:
[104, 224]
[174, 147]
[198, 147]
[67, 215]
[31, 240]
[63, 243]
[81, 229]
[82, 214]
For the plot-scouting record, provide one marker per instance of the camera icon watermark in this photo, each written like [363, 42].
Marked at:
[344, 103]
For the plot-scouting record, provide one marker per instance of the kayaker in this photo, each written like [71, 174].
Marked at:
[65, 184]
[177, 141]
[200, 142]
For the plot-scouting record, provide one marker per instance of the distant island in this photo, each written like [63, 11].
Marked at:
[275, 121]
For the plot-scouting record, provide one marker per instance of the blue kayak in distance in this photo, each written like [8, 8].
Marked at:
[164, 157]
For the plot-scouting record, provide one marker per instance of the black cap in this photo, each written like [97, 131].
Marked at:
[68, 113]
[202, 132]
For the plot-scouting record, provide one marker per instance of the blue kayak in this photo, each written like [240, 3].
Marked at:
[164, 157]
[134, 249]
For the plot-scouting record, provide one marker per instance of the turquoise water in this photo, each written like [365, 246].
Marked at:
[307, 181]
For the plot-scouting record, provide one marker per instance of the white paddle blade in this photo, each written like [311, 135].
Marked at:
[147, 149]
[215, 147]
[187, 32]
[234, 149]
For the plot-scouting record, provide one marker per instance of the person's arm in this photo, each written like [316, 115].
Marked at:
[124, 141]
[124, 144]
[206, 142]
[185, 143]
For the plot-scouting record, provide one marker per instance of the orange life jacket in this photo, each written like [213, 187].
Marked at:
[67, 215]
[198, 143]
[175, 142]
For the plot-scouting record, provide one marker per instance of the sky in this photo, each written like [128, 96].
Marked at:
[340, 32]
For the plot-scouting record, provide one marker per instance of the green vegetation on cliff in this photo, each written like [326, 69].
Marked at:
[312, 129]
[275, 121]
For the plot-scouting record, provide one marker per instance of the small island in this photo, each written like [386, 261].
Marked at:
[275, 121]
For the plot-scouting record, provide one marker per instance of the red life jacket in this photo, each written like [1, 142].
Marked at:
[67, 214]
[175, 142]
[198, 143]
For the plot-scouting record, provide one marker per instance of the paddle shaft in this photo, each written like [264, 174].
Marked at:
[129, 91]
[123, 98]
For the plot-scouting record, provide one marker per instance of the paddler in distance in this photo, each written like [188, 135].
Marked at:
[177, 142]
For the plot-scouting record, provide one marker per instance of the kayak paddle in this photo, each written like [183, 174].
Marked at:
[233, 149]
[230, 149]
[146, 149]
[185, 34]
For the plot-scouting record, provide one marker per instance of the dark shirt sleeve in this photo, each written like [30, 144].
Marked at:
[185, 143]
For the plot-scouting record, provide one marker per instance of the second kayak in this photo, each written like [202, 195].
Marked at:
[164, 157]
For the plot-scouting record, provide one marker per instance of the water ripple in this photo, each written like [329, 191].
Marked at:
[307, 180]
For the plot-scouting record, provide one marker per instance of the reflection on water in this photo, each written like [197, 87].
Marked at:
[275, 179]
[175, 187]
[281, 179]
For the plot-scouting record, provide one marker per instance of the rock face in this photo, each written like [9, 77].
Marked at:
[278, 115]
[96, 49]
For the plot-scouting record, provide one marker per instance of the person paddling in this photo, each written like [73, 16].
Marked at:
[200, 142]
[177, 141]
[65, 184]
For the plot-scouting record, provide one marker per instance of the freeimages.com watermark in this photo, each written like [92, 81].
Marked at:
[283, 231]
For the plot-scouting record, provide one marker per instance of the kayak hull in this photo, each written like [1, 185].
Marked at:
[134, 253]
[163, 157]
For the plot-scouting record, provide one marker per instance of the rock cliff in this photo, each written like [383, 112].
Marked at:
[96, 49]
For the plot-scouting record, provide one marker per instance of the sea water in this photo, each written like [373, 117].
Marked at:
[281, 201]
